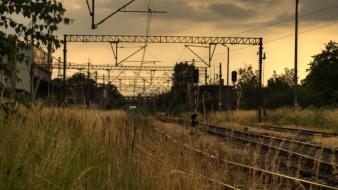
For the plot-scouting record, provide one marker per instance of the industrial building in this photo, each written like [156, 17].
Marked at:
[33, 75]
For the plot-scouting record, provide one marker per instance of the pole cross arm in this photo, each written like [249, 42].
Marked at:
[121, 9]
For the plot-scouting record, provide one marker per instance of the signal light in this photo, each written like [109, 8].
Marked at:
[234, 76]
[196, 76]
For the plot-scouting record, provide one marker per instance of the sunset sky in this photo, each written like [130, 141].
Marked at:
[209, 18]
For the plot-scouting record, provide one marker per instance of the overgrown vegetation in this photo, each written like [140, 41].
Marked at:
[311, 118]
[318, 89]
[177, 99]
[86, 149]
[33, 25]
[69, 149]
[81, 89]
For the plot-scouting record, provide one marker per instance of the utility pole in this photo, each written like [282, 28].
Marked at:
[228, 83]
[228, 66]
[88, 86]
[295, 77]
[220, 88]
[260, 78]
[64, 68]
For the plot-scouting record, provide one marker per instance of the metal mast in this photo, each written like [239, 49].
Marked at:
[296, 57]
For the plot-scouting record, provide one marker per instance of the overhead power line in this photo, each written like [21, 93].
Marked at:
[286, 20]
[284, 37]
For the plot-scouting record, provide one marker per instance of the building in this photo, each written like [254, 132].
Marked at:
[33, 74]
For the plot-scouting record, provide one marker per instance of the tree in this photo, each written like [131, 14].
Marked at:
[247, 89]
[81, 86]
[15, 35]
[321, 82]
[183, 74]
[44, 16]
[182, 82]
[279, 91]
[115, 100]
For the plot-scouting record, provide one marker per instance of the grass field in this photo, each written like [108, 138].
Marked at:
[311, 119]
[50, 148]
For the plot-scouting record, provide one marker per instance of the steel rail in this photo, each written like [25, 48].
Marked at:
[272, 137]
[226, 186]
[304, 182]
[322, 167]
[301, 131]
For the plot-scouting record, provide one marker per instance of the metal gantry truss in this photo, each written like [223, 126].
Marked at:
[162, 39]
[212, 42]
[111, 67]
[198, 40]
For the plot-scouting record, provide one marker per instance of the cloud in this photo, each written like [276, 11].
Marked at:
[231, 11]
[182, 14]
[330, 14]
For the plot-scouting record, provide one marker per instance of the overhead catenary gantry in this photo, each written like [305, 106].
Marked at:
[211, 42]
[187, 40]
[70, 38]
[163, 39]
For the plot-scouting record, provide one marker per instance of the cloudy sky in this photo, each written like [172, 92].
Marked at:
[210, 18]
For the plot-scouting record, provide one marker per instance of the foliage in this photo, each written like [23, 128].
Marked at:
[69, 149]
[183, 75]
[79, 85]
[15, 35]
[115, 100]
[176, 99]
[321, 82]
[45, 17]
[248, 88]
[279, 91]
[12, 106]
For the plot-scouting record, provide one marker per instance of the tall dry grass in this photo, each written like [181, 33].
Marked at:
[50, 148]
[68, 149]
[321, 119]
[240, 116]
[87, 149]
[312, 119]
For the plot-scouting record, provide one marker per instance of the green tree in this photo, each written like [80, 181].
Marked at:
[247, 89]
[16, 35]
[183, 75]
[182, 78]
[80, 84]
[44, 16]
[320, 85]
[116, 99]
[279, 91]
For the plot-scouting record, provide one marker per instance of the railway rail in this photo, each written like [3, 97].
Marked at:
[299, 131]
[296, 181]
[304, 156]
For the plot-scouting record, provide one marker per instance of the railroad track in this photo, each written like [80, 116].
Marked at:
[303, 156]
[305, 184]
[299, 131]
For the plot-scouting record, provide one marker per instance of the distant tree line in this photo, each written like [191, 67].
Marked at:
[79, 89]
[318, 89]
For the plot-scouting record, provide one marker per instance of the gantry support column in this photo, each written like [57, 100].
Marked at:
[260, 78]
[64, 68]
